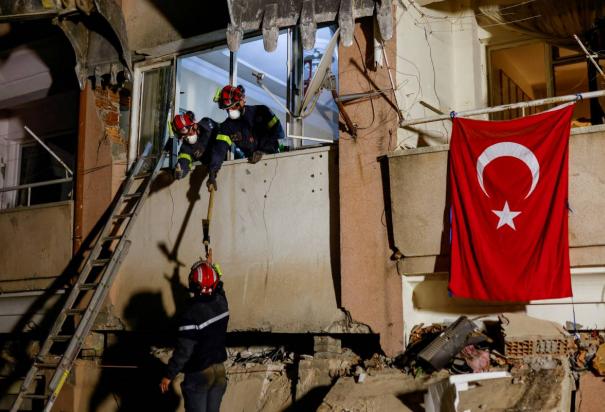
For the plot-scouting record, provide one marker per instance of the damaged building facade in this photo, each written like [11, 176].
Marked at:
[344, 235]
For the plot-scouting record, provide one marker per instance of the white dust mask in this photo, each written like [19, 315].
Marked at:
[191, 139]
[234, 114]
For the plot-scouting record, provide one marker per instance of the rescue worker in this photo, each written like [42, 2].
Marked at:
[197, 141]
[255, 130]
[200, 350]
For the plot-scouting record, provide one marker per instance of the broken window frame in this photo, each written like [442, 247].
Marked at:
[294, 89]
[137, 99]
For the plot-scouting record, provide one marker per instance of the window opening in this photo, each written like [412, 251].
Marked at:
[199, 75]
[537, 70]
[252, 59]
[37, 165]
[323, 121]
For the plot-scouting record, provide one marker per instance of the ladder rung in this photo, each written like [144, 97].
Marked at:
[34, 396]
[74, 311]
[142, 175]
[88, 286]
[123, 216]
[109, 238]
[133, 195]
[100, 262]
[61, 338]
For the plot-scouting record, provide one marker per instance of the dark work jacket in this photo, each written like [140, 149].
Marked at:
[201, 335]
[257, 129]
[202, 149]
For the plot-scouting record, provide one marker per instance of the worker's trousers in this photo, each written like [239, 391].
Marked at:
[203, 391]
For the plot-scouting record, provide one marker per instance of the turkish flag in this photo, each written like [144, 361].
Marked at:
[508, 183]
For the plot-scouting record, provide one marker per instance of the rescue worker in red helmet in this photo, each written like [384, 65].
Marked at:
[200, 350]
[197, 140]
[255, 130]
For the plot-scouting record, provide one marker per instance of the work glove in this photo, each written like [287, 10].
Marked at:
[178, 172]
[256, 156]
[211, 182]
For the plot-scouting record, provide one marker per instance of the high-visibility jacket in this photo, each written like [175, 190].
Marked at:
[201, 150]
[257, 129]
[202, 330]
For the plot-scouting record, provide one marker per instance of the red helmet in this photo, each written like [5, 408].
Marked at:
[203, 279]
[229, 96]
[183, 122]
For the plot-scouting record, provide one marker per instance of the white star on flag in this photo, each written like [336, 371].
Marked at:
[506, 216]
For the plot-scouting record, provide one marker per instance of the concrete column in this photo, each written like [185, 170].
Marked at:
[371, 287]
[103, 154]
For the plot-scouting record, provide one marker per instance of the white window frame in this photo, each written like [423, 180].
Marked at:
[135, 114]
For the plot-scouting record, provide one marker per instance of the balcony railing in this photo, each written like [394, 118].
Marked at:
[29, 186]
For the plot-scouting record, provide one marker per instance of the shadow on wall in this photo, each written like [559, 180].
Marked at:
[135, 372]
[20, 345]
[335, 225]
[442, 262]
[130, 370]
[432, 295]
[388, 213]
[196, 178]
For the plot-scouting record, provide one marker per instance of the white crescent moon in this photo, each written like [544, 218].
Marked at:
[510, 149]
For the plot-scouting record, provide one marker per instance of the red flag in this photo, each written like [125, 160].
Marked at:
[508, 184]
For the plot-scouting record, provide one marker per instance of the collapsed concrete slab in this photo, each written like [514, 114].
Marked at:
[389, 390]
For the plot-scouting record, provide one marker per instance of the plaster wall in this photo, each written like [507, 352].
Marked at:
[439, 61]
[371, 288]
[418, 190]
[35, 245]
[273, 231]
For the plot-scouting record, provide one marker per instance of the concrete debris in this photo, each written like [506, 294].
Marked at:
[445, 395]
[260, 354]
[476, 359]
[377, 363]
[598, 362]
[538, 363]
[360, 374]
[388, 390]
[584, 357]
[326, 346]
[257, 387]
[528, 336]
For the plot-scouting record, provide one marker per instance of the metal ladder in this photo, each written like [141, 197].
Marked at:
[96, 276]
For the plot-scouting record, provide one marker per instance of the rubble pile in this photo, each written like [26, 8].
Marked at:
[510, 362]
[589, 352]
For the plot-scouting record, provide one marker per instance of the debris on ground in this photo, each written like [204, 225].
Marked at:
[528, 336]
[476, 359]
[509, 362]
[598, 362]
[260, 354]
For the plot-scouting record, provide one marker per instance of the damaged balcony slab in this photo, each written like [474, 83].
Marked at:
[542, 384]
[95, 29]
[388, 390]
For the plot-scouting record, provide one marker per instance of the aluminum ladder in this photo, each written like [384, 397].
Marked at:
[96, 276]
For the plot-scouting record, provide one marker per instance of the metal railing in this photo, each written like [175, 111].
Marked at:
[30, 186]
